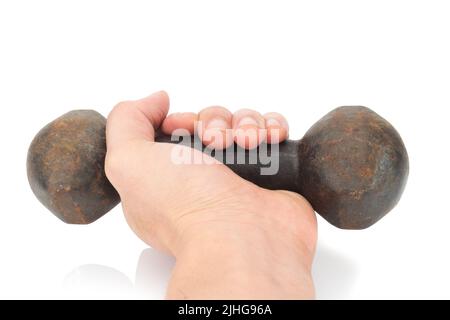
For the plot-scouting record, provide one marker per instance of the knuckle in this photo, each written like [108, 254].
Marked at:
[246, 111]
[120, 107]
[123, 104]
[215, 111]
[273, 115]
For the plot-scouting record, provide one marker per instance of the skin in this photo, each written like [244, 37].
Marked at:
[231, 238]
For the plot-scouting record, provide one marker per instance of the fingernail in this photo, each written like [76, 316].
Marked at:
[271, 122]
[217, 123]
[247, 121]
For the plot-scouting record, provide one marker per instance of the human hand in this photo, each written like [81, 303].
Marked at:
[223, 230]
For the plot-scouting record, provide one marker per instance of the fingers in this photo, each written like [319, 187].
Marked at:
[277, 127]
[218, 128]
[215, 127]
[174, 121]
[248, 126]
[136, 120]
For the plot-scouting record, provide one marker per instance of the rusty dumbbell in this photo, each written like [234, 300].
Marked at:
[352, 166]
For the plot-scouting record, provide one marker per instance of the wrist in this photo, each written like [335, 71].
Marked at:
[261, 246]
[279, 216]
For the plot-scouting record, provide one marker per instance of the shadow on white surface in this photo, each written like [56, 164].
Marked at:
[153, 274]
[334, 274]
[98, 281]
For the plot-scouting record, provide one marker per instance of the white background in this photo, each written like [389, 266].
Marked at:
[299, 58]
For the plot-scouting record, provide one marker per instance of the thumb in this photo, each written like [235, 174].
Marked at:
[136, 120]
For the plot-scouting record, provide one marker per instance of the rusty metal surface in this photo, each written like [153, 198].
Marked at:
[65, 167]
[353, 167]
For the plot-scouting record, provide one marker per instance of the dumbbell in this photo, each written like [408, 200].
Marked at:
[352, 166]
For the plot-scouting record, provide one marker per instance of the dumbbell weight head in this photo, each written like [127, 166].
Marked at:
[65, 167]
[352, 167]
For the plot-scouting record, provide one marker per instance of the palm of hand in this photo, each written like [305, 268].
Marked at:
[164, 201]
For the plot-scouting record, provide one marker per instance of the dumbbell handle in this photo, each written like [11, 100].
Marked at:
[269, 166]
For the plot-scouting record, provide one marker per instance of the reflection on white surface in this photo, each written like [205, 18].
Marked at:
[97, 281]
[334, 275]
[153, 273]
